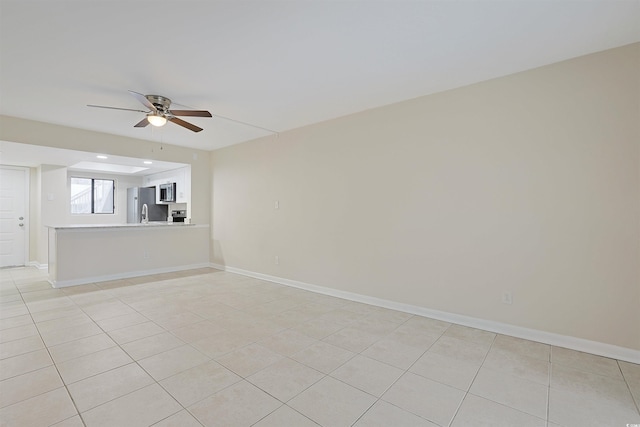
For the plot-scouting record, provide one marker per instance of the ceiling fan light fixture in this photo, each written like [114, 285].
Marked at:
[156, 120]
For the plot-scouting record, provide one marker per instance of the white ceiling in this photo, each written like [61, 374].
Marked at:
[17, 154]
[277, 65]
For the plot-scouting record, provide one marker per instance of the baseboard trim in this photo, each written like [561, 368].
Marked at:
[86, 280]
[37, 265]
[558, 340]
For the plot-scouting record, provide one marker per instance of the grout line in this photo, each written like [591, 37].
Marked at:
[635, 400]
[167, 291]
[407, 370]
[467, 392]
[64, 384]
[116, 345]
[132, 359]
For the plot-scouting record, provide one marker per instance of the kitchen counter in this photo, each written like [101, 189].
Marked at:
[149, 224]
[90, 253]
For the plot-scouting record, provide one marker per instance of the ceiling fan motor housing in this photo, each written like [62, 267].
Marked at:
[161, 103]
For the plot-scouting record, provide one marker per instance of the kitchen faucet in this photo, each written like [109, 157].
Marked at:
[145, 214]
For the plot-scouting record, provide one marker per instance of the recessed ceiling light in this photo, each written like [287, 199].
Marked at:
[147, 162]
[102, 157]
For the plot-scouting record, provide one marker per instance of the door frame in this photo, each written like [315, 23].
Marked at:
[27, 208]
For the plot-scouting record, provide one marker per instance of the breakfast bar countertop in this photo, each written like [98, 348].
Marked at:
[133, 225]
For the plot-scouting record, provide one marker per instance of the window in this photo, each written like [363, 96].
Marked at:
[92, 196]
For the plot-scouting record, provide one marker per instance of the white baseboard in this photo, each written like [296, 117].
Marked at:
[37, 265]
[573, 343]
[128, 275]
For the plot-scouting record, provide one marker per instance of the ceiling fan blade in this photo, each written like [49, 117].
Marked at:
[116, 108]
[184, 124]
[143, 100]
[194, 113]
[142, 123]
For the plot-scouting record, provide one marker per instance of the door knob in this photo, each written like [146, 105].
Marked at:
[21, 225]
[21, 218]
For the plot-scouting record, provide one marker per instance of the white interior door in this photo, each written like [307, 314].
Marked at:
[14, 225]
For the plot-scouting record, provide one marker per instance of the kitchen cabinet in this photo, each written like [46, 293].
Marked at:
[182, 178]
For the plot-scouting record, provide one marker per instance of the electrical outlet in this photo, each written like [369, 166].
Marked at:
[145, 254]
[277, 204]
[277, 260]
[507, 298]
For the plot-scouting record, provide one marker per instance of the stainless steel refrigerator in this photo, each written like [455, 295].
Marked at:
[139, 196]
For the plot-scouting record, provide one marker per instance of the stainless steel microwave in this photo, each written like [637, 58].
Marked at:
[168, 192]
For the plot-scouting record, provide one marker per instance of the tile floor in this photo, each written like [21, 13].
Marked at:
[210, 348]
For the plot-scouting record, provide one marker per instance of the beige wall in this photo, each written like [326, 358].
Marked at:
[526, 184]
[56, 197]
[35, 223]
[30, 132]
[51, 195]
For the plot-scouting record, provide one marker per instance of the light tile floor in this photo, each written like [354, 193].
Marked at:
[210, 348]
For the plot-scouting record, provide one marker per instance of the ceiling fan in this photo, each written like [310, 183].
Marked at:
[159, 112]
